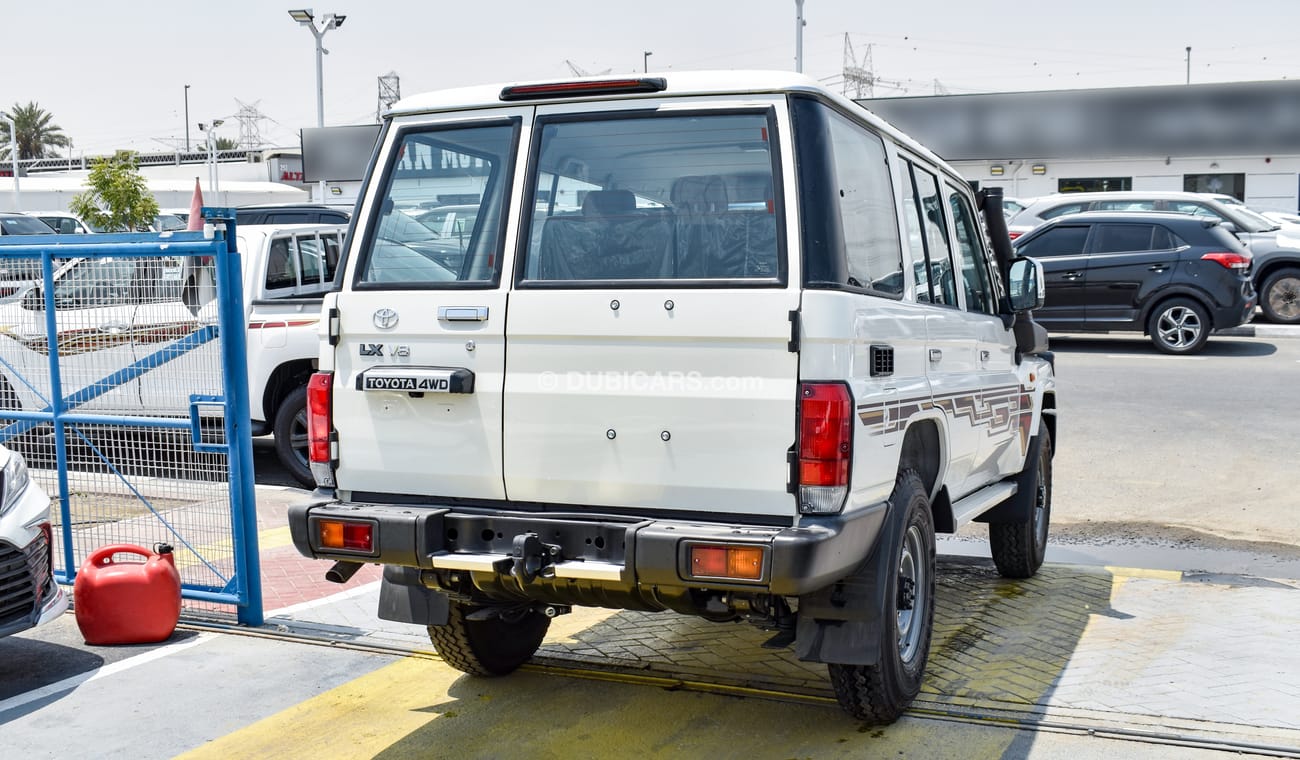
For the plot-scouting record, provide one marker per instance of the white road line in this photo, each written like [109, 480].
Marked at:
[73, 682]
[301, 606]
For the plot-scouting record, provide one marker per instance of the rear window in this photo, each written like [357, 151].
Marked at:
[653, 198]
[402, 249]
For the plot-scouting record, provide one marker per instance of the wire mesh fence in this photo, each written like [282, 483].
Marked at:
[121, 415]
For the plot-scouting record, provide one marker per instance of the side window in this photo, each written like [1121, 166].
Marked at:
[975, 277]
[290, 217]
[310, 262]
[281, 271]
[1123, 205]
[1195, 209]
[867, 213]
[330, 241]
[1068, 208]
[912, 228]
[1060, 241]
[1164, 240]
[1115, 238]
[401, 250]
[934, 235]
[654, 198]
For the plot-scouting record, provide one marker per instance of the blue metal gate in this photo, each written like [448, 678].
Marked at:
[124, 382]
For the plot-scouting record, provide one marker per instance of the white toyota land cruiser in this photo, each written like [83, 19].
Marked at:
[722, 344]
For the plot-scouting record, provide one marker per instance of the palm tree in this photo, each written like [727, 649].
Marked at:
[37, 137]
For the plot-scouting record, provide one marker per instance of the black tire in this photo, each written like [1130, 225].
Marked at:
[1179, 326]
[1279, 296]
[291, 437]
[878, 694]
[492, 647]
[1019, 547]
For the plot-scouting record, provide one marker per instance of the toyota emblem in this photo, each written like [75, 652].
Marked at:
[385, 318]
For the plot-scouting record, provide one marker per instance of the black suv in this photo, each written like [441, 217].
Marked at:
[1172, 276]
[297, 213]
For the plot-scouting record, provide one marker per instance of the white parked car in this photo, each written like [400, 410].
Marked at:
[112, 312]
[28, 594]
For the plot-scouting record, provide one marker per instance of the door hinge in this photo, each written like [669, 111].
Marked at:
[795, 329]
[332, 321]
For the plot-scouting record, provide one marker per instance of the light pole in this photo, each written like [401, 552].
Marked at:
[645, 61]
[329, 21]
[799, 24]
[13, 157]
[187, 118]
[213, 184]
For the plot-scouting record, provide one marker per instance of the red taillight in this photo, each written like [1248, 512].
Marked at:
[1228, 260]
[1014, 235]
[825, 434]
[347, 535]
[319, 392]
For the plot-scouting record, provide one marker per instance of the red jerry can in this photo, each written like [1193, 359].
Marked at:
[127, 602]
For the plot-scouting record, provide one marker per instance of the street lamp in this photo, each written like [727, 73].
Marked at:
[187, 118]
[305, 17]
[645, 61]
[329, 21]
[211, 128]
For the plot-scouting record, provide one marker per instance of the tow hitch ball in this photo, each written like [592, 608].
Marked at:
[531, 558]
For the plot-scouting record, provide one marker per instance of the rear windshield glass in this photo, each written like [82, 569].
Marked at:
[654, 198]
[438, 168]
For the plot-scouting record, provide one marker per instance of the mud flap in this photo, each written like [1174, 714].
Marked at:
[1020, 507]
[842, 622]
[404, 599]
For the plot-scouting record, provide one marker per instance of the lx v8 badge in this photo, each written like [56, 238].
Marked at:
[377, 349]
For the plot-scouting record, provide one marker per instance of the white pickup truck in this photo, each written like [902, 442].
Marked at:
[112, 311]
[722, 344]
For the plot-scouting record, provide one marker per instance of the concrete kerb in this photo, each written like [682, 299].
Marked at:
[1262, 331]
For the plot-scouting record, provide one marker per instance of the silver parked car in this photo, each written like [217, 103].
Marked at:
[1275, 271]
[28, 594]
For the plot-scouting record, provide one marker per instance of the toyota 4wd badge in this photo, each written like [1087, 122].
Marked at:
[385, 318]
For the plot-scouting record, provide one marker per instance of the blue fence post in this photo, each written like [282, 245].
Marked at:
[230, 297]
[57, 408]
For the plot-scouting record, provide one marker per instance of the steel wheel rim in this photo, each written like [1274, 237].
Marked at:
[1284, 297]
[1179, 327]
[913, 593]
[1040, 509]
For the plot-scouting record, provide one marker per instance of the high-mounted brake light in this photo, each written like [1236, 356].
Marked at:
[1228, 260]
[825, 446]
[584, 87]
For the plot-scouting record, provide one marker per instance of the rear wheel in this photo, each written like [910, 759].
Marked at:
[1179, 326]
[488, 645]
[1279, 296]
[1019, 547]
[291, 437]
[880, 693]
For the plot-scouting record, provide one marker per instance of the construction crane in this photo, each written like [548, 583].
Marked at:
[859, 80]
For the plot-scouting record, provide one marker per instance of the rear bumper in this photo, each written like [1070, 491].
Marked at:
[628, 555]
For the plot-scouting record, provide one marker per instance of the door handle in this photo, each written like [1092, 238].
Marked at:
[114, 328]
[1071, 275]
[1158, 267]
[462, 313]
[935, 354]
[984, 356]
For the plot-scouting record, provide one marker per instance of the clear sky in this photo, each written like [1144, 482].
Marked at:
[113, 75]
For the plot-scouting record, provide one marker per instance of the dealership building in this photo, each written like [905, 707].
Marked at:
[1242, 139]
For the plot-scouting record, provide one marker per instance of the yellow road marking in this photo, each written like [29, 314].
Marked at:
[271, 538]
[1138, 572]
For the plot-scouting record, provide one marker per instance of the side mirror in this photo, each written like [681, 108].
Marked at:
[1025, 285]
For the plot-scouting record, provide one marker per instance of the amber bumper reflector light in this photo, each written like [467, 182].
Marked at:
[743, 563]
[338, 534]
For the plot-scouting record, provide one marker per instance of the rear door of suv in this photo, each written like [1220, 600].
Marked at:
[1060, 249]
[648, 338]
[420, 355]
[1127, 262]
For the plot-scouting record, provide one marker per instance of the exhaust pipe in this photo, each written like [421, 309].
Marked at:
[342, 572]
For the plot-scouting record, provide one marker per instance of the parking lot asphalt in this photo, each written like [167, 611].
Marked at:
[1068, 662]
